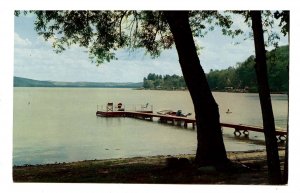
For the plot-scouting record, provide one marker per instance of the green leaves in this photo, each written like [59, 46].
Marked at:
[104, 32]
[284, 17]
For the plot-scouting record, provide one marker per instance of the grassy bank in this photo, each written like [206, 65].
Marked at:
[248, 168]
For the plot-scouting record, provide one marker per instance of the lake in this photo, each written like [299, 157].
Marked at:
[59, 124]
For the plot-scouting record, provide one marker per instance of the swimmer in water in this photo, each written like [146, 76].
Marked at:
[228, 111]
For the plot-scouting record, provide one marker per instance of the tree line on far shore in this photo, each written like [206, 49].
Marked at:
[241, 78]
[167, 82]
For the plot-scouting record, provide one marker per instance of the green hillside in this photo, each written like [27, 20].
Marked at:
[242, 78]
[25, 82]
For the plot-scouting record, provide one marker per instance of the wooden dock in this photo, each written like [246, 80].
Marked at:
[244, 130]
[149, 115]
[178, 120]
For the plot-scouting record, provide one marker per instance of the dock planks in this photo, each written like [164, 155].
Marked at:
[177, 120]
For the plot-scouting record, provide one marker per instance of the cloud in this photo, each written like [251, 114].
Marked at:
[134, 66]
[21, 42]
[239, 22]
[220, 52]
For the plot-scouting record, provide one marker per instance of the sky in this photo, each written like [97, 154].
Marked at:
[34, 57]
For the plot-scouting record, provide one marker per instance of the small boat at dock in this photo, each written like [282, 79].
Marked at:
[164, 112]
[173, 113]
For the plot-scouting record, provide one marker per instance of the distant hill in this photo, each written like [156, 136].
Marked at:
[25, 82]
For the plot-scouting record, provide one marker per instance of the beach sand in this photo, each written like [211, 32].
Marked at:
[247, 168]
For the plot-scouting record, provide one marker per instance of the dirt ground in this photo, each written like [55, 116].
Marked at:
[246, 168]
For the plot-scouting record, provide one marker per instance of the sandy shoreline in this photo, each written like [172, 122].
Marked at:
[252, 169]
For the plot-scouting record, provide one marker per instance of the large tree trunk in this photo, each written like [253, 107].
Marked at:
[210, 149]
[265, 100]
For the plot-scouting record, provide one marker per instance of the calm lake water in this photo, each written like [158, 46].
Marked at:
[59, 124]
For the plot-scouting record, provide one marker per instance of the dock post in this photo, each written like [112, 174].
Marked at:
[185, 124]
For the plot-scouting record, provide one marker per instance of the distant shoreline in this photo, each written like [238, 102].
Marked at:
[70, 87]
[30, 83]
[26, 82]
[134, 88]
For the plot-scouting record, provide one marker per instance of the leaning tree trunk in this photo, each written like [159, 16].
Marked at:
[265, 100]
[210, 148]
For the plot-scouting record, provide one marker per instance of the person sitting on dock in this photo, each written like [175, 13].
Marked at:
[120, 107]
[179, 113]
